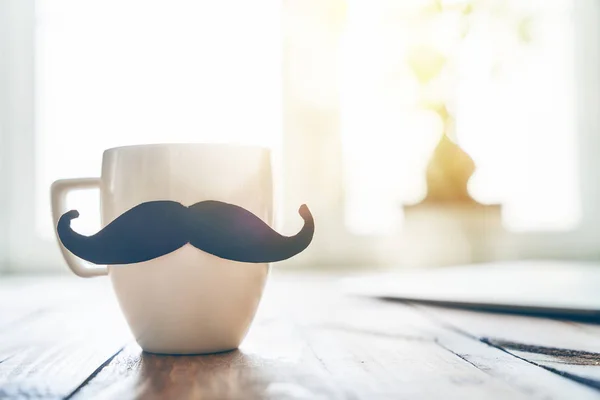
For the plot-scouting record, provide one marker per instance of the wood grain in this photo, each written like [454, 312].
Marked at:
[308, 342]
[50, 352]
[567, 348]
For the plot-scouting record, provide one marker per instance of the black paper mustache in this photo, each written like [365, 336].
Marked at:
[153, 229]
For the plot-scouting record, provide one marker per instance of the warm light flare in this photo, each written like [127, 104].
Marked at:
[513, 107]
[124, 72]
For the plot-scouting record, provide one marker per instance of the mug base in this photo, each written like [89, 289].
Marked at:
[189, 352]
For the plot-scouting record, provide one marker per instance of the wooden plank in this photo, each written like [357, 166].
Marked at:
[387, 318]
[50, 354]
[538, 382]
[22, 296]
[12, 288]
[386, 367]
[308, 342]
[570, 349]
[272, 362]
[580, 366]
[330, 365]
[516, 328]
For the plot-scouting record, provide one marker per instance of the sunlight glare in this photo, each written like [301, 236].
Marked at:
[121, 72]
[521, 138]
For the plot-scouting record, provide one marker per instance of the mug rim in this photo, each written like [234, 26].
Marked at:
[229, 146]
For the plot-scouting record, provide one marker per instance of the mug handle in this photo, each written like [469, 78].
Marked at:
[58, 195]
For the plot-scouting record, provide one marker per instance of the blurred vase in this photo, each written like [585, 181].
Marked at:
[448, 174]
[448, 226]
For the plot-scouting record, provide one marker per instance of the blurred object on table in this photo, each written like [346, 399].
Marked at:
[554, 288]
[448, 226]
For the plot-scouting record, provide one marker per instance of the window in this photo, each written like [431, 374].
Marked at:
[332, 86]
[113, 73]
[506, 68]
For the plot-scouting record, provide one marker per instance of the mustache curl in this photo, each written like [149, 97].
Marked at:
[156, 228]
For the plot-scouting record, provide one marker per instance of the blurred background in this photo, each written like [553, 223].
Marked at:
[420, 132]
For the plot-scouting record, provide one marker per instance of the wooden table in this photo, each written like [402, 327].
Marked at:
[64, 337]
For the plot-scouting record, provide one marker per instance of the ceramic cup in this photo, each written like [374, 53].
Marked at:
[188, 301]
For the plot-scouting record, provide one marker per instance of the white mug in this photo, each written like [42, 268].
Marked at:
[187, 301]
